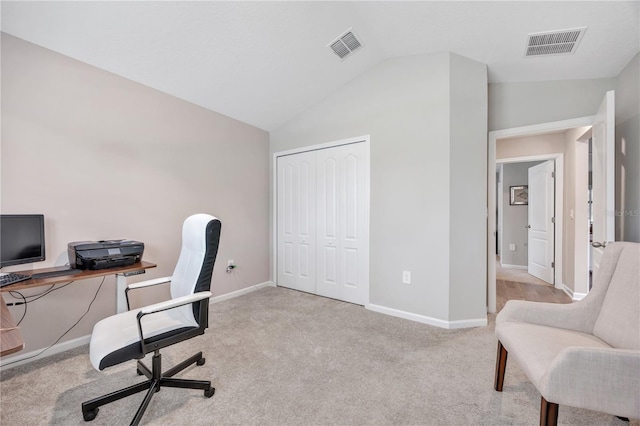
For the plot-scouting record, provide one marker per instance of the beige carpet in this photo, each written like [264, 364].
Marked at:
[281, 357]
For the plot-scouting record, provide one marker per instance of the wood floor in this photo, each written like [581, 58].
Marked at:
[509, 290]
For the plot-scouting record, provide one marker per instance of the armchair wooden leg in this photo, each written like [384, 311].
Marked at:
[548, 413]
[501, 365]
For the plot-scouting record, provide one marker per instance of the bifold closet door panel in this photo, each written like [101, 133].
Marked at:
[296, 221]
[342, 235]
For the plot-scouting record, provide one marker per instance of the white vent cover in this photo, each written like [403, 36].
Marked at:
[561, 42]
[345, 45]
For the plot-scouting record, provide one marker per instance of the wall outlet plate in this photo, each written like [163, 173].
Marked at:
[406, 277]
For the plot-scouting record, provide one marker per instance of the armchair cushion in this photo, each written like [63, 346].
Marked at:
[534, 347]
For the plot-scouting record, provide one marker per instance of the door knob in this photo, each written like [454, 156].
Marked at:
[596, 244]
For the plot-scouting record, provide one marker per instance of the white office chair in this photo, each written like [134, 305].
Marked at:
[133, 334]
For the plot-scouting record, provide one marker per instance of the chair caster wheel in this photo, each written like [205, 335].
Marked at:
[209, 393]
[90, 415]
[201, 361]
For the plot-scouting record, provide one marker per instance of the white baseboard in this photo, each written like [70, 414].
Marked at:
[578, 296]
[479, 322]
[24, 358]
[574, 296]
[506, 265]
[567, 290]
[240, 292]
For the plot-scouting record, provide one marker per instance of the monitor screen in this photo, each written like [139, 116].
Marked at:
[21, 239]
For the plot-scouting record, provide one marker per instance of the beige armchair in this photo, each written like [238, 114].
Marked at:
[585, 354]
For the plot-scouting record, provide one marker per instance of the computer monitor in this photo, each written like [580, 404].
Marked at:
[21, 239]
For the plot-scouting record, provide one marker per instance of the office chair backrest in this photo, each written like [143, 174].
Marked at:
[192, 274]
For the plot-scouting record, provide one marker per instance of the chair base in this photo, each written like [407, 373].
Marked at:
[156, 380]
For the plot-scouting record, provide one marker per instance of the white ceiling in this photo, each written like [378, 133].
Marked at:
[265, 62]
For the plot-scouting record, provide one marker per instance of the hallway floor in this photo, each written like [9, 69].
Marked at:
[517, 284]
[516, 275]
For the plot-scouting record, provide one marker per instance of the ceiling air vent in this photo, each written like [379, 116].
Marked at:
[345, 45]
[561, 42]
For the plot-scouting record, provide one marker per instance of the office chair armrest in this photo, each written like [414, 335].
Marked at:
[174, 303]
[143, 284]
[169, 304]
[149, 283]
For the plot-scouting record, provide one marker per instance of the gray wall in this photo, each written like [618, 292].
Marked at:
[521, 104]
[103, 157]
[467, 176]
[407, 107]
[514, 218]
[628, 152]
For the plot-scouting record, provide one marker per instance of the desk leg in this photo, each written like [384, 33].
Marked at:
[121, 298]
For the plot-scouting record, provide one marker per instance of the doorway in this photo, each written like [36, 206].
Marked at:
[539, 129]
[526, 219]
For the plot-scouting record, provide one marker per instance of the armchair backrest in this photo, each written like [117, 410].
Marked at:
[192, 274]
[618, 320]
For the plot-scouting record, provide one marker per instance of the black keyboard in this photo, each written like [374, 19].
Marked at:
[12, 278]
[59, 273]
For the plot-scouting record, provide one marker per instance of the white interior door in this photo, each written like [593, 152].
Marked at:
[541, 207]
[296, 221]
[603, 178]
[342, 227]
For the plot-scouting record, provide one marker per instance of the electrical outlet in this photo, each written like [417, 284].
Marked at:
[406, 277]
[512, 247]
[231, 265]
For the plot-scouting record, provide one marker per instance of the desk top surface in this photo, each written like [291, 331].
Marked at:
[11, 338]
[85, 274]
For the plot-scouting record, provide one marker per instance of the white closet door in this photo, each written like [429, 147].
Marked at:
[296, 198]
[342, 237]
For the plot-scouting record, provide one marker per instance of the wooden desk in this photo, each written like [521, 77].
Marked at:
[11, 339]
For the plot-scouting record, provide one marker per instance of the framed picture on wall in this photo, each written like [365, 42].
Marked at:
[519, 195]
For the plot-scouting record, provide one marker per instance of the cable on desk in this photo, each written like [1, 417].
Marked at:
[24, 314]
[37, 296]
[47, 291]
[66, 332]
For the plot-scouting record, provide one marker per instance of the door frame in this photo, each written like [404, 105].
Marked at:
[366, 139]
[491, 193]
[558, 159]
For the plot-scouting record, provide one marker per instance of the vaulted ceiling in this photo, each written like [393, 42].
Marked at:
[265, 62]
